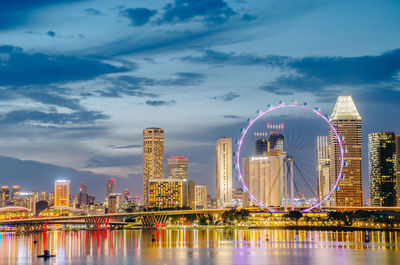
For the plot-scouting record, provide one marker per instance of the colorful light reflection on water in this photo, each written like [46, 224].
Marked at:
[208, 246]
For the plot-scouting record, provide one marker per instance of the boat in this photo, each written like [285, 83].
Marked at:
[46, 255]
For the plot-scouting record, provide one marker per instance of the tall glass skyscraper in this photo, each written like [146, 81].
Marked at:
[347, 120]
[382, 168]
[153, 158]
[223, 151]
[178, 169]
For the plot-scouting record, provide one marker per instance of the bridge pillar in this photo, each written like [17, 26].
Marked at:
[148, 221]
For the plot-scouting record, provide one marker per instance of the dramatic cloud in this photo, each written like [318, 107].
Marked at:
[212, 12]
[39, 117]
[158, 103]
[125, 146]
[138, 16]
[227, 97]
[20, 68]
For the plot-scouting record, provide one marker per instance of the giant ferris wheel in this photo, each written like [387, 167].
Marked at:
[290, 185]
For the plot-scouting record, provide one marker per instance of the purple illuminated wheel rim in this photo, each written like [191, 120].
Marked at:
[280, 106]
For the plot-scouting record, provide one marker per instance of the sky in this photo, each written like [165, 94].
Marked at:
[79, 80]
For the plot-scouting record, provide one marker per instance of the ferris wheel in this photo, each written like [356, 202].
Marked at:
[288, 181]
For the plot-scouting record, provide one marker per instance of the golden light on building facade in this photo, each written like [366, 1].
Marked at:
[61, 193]
[166, 193]
[153, 158]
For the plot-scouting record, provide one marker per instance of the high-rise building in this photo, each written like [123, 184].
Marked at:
[83, 195]
[165, 193]
[265, 177]
[5, 195]
[113, 201]
[61, 193]
[276, 138]
[15, 190]
[25, 199]
[223, 152]
[178, 169]
[153, 158]
[43, 196]
[261, 143]
[398, 169]
[110, 187]
[347, 121]
[382, 168]
[323, 167]
[192, 195]
[201, 196]
[237, 197]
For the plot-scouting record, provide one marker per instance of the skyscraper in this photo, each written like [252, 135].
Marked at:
[165, 193]
[223, 152]
[382, 168]
[201, 196]
[261, 143]
[398, 169]
[347, 120]
[83, 195]
[276, 138]
[5, 195]
[153, 158]
[110, 187]
[265, 177]
[178, 169]
[61, 193]
[323, 166]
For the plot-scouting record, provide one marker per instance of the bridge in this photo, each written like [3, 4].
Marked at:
[150, 219]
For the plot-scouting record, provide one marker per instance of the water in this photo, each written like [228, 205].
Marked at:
[202, 247]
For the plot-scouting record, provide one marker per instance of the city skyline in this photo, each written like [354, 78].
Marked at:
[198, 77]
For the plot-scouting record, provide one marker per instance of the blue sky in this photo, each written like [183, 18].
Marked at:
[79, 80]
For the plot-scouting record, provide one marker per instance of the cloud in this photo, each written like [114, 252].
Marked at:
[54, 118]
[138, 16]
[51, 33]
[20, 68]
[212, 12]
[184, 79]
[93, 11]
[110, 161]
[230, 116]
[227, 97]
[125, 146]
[158, 103]
[247, 17]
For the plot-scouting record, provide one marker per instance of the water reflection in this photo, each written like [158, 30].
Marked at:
[205, 246]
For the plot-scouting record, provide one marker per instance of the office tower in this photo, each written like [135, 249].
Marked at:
[83, 195]
[50, 198]
[5, 195]
[127, 194]
[201, 196]
[261, 143]
[223, 152]
[165, 193]
[382, 168]
[178, 169]
[14, 192]
[347, 121]
[61, 193]
[113, 201]
[110, 187]
[153, 158]
[276, 138]
[192, 195]
[323, 169]
[265, 177]
[398, 169]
